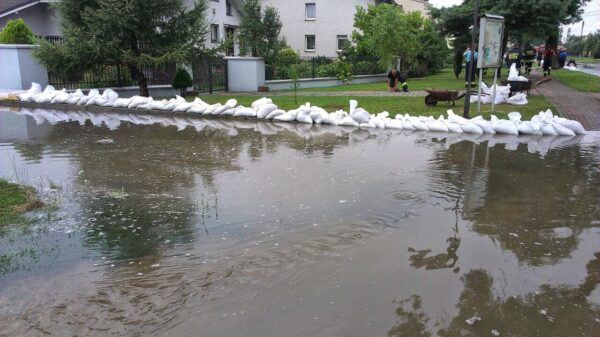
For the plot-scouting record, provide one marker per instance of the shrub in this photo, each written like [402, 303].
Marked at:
[343, 71]
[182, 80]
[286, 57]
[327, 70]
[16, 32]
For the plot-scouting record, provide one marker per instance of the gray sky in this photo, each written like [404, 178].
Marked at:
[591, 16]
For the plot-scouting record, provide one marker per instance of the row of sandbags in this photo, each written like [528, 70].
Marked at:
[545, 123]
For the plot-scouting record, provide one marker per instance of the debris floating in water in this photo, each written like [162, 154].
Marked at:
[472, 320]
[495, 333]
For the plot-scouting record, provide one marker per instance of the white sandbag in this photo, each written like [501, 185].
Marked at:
[110, 96]
[379, 122]
[514, 117]
[335, 117]
[368, 125]
[61, 97]
[317, 114]
[573, 125]
[197, 108]
[265, 109]
[228, 112]
[504, 126]
[289, 116]
[406, 124]
[47, 95]
[122, 102]
[454, 118]
[211, 108]
[183, 107]
[244, 112]
[436, 125]
[261, 101]
[360, 115]
[513, 74]
[173, 103]
[275, 113]
[470, 127]
[518, 99]
[156, 105]
[353, 106]
[383, 114]
[563, 131]
[417, 123]
[485, 125]
[548, 130]
[137, 100]
[74, 98]
[395, 124]
[29, 95]
[529, 128]
[303, 116]
[348, 121]
[222, 108]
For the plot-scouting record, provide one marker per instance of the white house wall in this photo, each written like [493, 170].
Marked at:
[216, 15]
[333, 18]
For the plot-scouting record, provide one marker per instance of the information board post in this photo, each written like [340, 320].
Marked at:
[491, 30]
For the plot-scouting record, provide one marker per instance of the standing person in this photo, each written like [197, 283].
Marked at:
[548, 55]
[562, 57]
[528, 57]
[470, 69]
[394, 77]
[540, 55]
[514, 56]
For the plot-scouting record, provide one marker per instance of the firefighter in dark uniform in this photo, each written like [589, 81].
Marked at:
[395, 78]
[528, 57]
[515, 56]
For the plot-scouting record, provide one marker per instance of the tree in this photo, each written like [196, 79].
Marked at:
[182, 81]
[16, 32]
[259, 31]
[522, 19]
[133, 33]
[387, 32]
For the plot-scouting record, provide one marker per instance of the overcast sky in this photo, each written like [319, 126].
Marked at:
[591, 16]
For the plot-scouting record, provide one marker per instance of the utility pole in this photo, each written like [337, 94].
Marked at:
[581, 40]
[472, 59]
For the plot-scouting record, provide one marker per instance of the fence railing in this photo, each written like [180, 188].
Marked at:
[54, 39]
[209, 74]
[319, 66]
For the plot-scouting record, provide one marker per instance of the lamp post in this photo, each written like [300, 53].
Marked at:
[471, 60]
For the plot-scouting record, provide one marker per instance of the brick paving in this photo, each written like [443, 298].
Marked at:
[583, 107]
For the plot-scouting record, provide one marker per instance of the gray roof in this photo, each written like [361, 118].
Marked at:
[6, 5]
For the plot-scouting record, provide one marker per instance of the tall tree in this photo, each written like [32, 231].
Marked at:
[134, 33]
[259, 31]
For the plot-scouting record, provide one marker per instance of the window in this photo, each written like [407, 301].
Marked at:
[228, 8]
[311, 11]
[214, 33]
[341, 41]
[310, 42]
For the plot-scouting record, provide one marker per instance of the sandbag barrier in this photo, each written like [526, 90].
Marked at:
[544, 123]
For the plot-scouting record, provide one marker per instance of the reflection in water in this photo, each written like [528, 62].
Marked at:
[179, 225]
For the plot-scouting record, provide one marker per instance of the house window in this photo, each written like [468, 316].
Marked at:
[341, 41]
[310, 42]
[228, 8]
[214, 33]
[311, 11]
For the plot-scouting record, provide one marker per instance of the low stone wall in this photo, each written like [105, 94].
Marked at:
[156, 91]
[321, 82]
[18, 67]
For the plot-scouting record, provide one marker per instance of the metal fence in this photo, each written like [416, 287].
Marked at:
[209, 74]
[319, 66]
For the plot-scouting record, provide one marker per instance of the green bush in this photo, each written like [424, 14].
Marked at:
[182, 80]
[287, 57]
[343, 71]
[16, 32]
[327, 70]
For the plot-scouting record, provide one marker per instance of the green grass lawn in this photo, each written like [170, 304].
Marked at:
[585, 60]
[444, 79]
[577, 80]
[394, 105]
[15, 199]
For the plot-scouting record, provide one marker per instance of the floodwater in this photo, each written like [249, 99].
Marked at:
[189, 227]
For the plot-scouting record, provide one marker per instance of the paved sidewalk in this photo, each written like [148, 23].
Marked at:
[583, 107]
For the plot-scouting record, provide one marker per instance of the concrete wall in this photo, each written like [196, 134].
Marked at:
[245, 74]
[324, 82]
[18, 68]
[41, 18]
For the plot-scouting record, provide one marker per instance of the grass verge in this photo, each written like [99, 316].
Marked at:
[14, 200]
[577, 80]
[395, 105]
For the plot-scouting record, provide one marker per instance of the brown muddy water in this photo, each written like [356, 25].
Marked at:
[189, 227]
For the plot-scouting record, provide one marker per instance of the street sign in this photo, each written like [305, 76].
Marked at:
[491, 30]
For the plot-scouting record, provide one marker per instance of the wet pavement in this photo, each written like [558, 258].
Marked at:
[161, 225]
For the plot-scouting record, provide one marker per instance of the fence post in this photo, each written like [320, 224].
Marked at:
[119, 78]
[210, 76]
[313, 67]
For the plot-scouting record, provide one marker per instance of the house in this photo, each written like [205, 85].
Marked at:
[38, 14]
[322, 27]
[312, 27]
